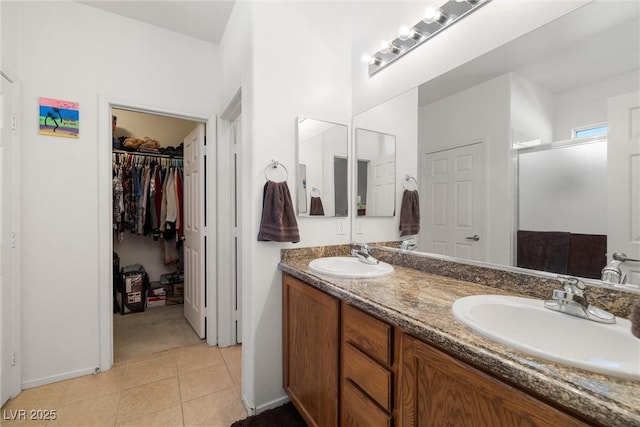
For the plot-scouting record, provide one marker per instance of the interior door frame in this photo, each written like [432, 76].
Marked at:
[227, 333]
[105, 245]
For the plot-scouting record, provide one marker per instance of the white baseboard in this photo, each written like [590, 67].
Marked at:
[273, 404]
[265, 406]
[250, 409]
[55, 378]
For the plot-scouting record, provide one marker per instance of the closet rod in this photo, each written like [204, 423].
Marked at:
[140, 153]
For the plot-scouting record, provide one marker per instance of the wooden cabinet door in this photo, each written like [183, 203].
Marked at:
[311, 351]
[439, 390]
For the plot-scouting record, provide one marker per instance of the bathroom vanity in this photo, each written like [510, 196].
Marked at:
[388, 352]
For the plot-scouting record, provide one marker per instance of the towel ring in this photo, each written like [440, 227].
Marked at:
[315, 192]
[409, 178]
[274, 165]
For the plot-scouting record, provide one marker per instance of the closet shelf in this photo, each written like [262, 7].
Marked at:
[142, 153]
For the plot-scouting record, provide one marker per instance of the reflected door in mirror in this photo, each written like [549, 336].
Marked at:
[454, 202]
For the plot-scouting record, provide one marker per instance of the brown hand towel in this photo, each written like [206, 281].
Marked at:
[316, 206]
[410, 213]
[278, 221]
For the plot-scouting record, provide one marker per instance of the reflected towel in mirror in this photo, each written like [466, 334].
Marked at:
[316, 206]
[278, 221]
[543, 250]
[410, 213]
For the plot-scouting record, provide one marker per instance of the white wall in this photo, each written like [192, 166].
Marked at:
[532, 111]
[111, 57]
[137, 249]
[301, 66]
[587, 105]
[480, 113]
[399, 117]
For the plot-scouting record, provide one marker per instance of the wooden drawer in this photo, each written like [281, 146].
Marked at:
[368, 333]
[358, 410]
[368, 374]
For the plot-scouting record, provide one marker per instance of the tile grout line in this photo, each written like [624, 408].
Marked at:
[179, 391]
[122, 390]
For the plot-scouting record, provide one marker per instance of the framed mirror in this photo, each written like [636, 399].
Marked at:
[322, 170]
[375, 173]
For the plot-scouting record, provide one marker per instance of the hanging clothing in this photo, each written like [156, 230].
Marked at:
[179, 223]
[145, 190]
[172, 200]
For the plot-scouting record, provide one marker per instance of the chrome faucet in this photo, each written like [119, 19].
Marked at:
[408, 245]
[612, 272]
[363, 254]
[572, 300]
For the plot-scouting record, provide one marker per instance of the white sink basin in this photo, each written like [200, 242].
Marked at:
[349, 267]
[526, 325]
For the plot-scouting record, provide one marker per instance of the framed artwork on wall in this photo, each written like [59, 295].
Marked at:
[59, 118]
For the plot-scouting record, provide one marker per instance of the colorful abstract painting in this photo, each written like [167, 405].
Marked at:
[59, 118]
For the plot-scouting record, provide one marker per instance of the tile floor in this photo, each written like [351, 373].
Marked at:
[196, 385]
[153, 330]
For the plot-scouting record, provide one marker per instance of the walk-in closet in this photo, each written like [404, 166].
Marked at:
[154, 245]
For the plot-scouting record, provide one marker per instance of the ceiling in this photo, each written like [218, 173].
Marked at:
[203, 20]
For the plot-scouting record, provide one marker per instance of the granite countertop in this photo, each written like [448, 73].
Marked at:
[420, 303]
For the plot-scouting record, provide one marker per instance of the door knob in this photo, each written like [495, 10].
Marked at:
[475, 238]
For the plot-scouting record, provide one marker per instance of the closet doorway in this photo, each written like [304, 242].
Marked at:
[159, 277]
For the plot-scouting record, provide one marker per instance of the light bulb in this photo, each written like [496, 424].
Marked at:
[403, 33]
[416, 34]
[431, 13]
[374, 60]
[434, 14]
[389, 47]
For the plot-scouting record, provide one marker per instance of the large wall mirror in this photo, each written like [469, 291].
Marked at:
[322, 175]
[542, 89]
[375, 173]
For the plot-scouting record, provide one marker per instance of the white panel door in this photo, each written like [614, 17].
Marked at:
[453, 218]
[381, 188]
[194, 244]
[623, 171]
[9, 216]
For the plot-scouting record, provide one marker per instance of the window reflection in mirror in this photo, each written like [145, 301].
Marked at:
[376, 173]
[322, 178]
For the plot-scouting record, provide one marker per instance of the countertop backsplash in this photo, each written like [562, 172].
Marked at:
[617, 302]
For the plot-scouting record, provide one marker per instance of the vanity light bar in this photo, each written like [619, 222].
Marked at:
[435, 20]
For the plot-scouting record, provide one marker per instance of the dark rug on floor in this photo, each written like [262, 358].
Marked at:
[282, 416]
